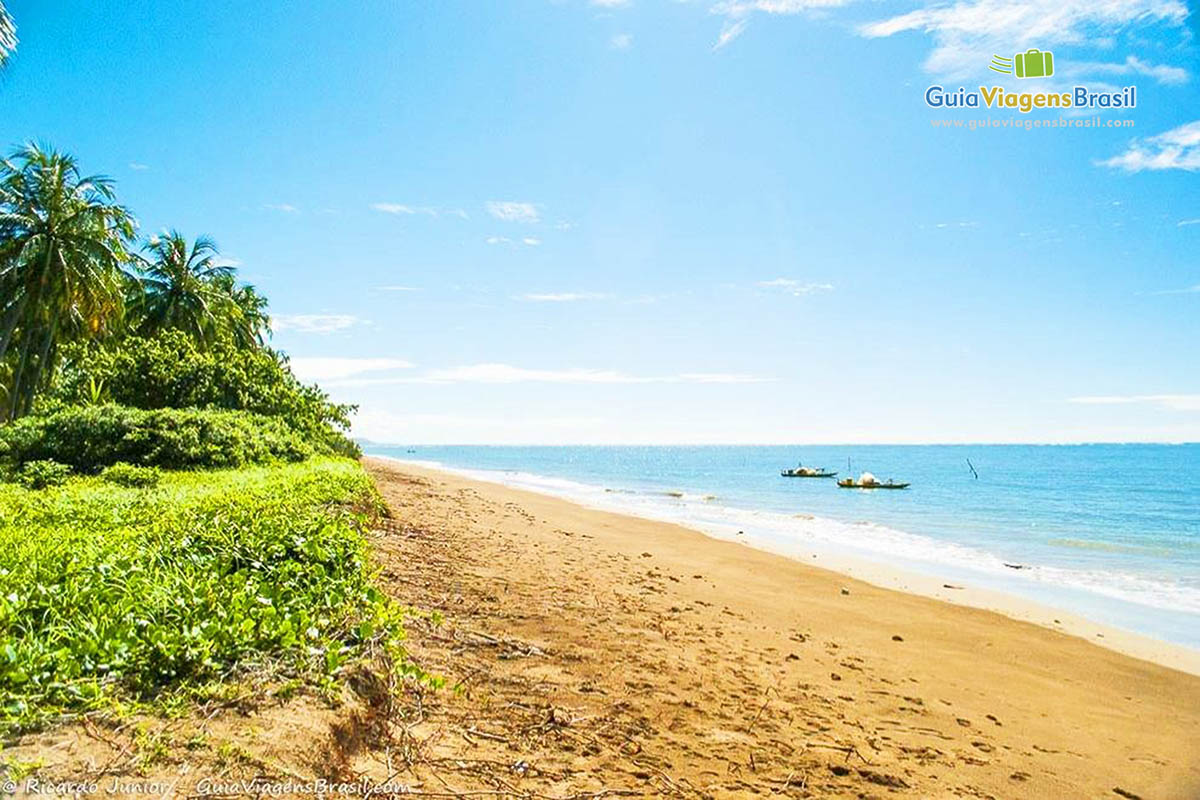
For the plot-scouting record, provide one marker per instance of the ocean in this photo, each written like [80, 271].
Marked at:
[1109, 532]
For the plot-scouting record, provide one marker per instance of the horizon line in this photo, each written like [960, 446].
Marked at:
[1082, 443]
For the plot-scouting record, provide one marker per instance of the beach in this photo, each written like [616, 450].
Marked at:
[740, 671]
[586, 654]
[1099, 547]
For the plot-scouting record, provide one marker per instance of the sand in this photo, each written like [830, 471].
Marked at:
[739, 672]
[588, 654]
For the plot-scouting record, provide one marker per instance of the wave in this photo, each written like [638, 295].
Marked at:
[1112, 547]
[797, 535]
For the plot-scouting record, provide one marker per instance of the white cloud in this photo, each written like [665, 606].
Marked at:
[1183, 223]
[284, 207]
[795, 287]
[1186, 290]
[403, 209]
[1178, 148]
[718, 377]
[313, 323]
[730, 31]
[139, 167]
[400, 208]
[509, 211]
[563, 297]
[498, 240]
[508, 374]
[531, 241]
[1174, 402]
[319, 369]
[388, 427]
[621, 41]
[505, 373]
[398, 288]
[1133, 65]
[967, 33]
[740, 8]
[736, 12]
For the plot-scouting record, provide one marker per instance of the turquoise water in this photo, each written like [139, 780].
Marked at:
[1111, 532]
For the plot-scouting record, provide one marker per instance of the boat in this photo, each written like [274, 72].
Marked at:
[868, 481]
[801, 471]
[850, 483]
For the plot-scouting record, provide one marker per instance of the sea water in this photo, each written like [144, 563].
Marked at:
[1111, 532]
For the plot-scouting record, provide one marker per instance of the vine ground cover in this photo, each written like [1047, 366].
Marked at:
[112, 594]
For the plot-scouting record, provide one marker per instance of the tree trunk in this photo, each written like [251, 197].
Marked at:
[14, 404]
[10, 324]
[41, 372]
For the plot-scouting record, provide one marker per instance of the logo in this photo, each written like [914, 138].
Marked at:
[1033, 63]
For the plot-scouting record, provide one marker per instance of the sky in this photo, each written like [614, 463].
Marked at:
[661, 221]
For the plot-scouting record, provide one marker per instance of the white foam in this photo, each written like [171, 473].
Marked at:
[802, 535]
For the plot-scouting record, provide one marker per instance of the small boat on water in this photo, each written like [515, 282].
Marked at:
[801, 471]
[869, 481]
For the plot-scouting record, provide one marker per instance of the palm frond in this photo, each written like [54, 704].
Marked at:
[8, 36]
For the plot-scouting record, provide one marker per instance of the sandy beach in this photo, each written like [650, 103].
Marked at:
[743, 672]
[588, 654]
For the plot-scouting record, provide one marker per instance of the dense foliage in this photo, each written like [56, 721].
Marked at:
[63, 247]
[131, 475]
[69, 275]
[87, 439]
[85, 320]
[189, 288]
[117, 579]
[42, 474]
[171, 371]
[109, 592]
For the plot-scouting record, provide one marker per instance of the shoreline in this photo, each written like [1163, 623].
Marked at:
[737, 671]
[893, 578]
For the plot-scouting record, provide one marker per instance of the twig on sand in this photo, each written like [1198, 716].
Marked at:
[848, 749]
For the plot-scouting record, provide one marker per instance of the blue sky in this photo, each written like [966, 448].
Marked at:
[659, 221]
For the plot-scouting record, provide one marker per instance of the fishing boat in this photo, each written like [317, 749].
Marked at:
[869, 481]
[801, 471]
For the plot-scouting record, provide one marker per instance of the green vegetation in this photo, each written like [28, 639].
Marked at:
[88, 439]
[111, 593]
[171, 370]
[122, 578]
[130, 475]
[42, 474]
[63, 246]
[85, 321]
[187, 288]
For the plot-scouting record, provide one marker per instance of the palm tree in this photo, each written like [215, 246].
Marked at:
[8, 35]
[251, 322]
[63, 244]
[183, 287]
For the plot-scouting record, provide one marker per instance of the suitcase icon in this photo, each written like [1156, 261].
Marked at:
[1034, 63]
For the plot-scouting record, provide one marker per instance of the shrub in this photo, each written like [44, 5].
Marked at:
[89, 439]
[110, 593]
[169, 370]
[130, 475]
[42, 474]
